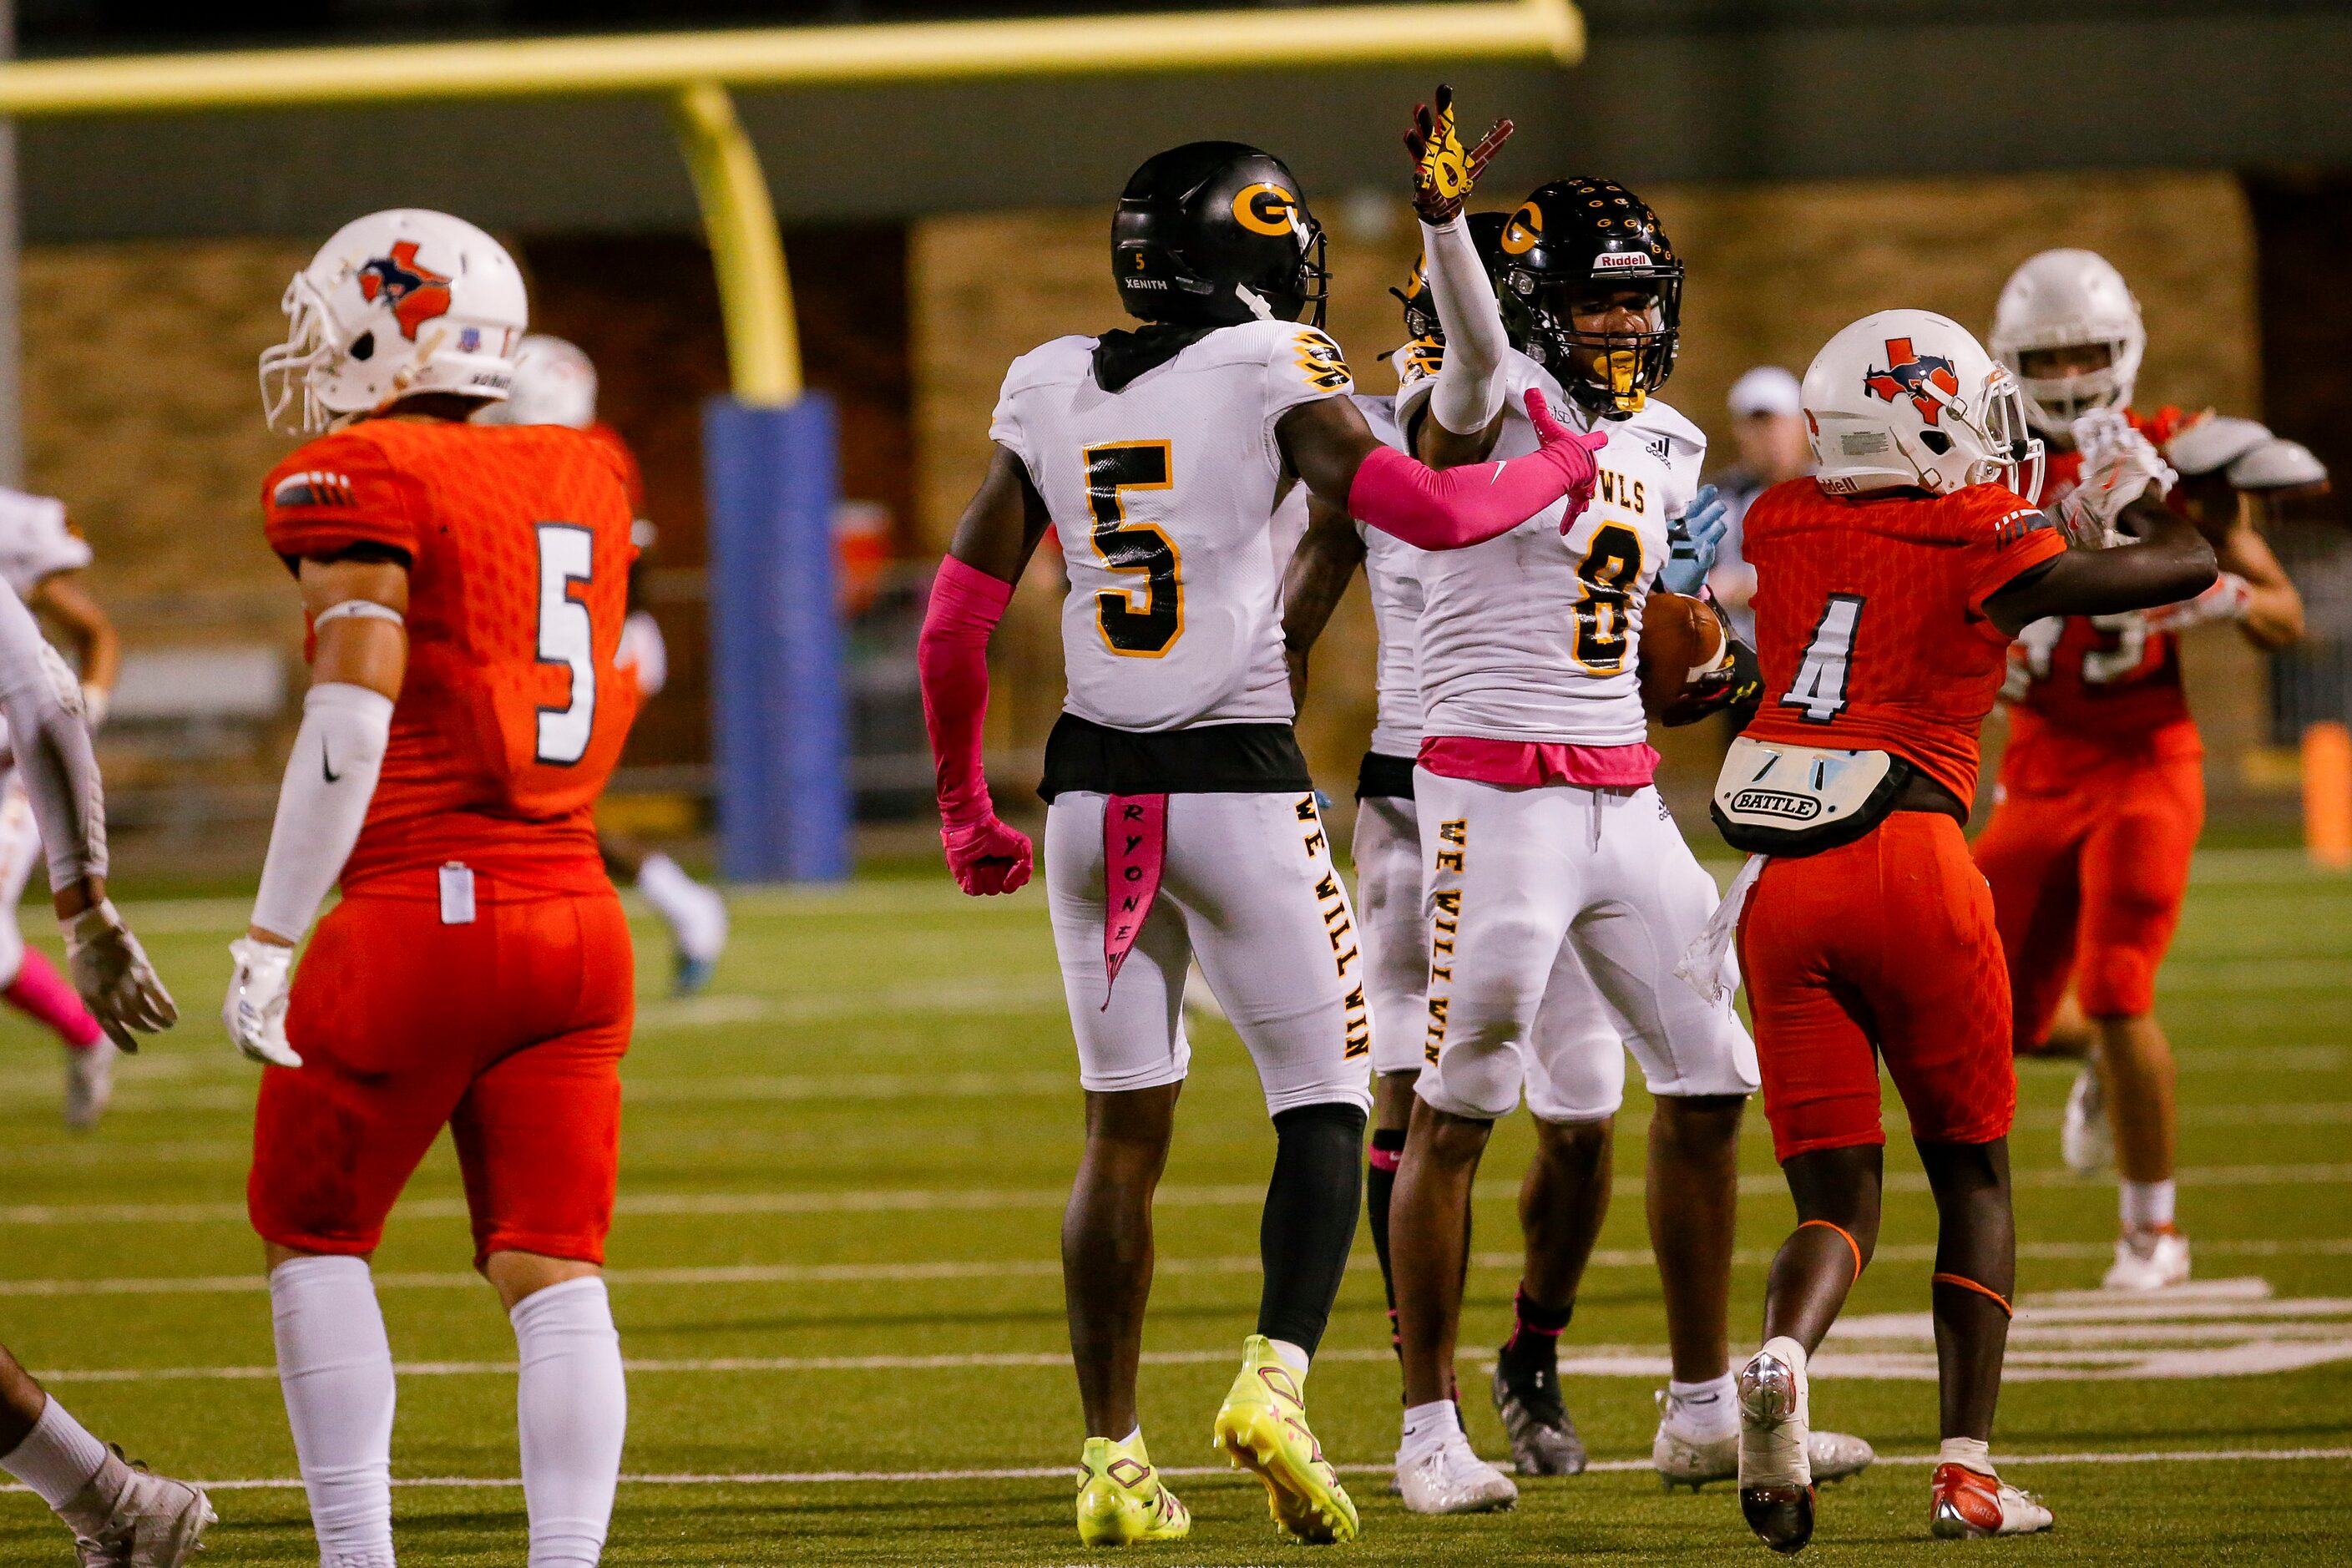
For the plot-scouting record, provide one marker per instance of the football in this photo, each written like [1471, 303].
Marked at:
[1679, 634]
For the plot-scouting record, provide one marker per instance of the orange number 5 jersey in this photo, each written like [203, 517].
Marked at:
[513, 711]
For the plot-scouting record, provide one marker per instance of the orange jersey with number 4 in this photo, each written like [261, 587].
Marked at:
[2086, 689]
[513, 711]
[1870, 619]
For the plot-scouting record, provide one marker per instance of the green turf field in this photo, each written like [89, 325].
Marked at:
[835, 1276]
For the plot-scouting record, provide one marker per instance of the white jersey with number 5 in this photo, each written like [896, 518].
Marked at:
[1537, 636]
[1164, 495]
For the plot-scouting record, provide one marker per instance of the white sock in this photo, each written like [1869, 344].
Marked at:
[1293, 1357]
[573, 1404]
[696, 919]
[57, 1457]
[2146, 1204]
[1426, 1427]
[334, 1365]
[1703, 1411]
[1974, 1453]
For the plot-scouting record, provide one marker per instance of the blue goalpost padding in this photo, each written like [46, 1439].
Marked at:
[779, 715]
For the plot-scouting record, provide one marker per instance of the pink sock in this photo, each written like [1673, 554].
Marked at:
[40, 990]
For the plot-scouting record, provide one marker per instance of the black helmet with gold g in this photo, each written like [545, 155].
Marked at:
[1216, 233]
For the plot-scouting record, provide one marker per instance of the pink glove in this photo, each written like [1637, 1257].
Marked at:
[1461, 507]
[986, 856]
[951, 657]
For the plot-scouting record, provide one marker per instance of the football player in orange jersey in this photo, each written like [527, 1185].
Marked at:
[1887, 591]
[464, 589]
[2101, 787]
[555, 384]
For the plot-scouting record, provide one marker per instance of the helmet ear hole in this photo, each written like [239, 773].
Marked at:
[364, 346]
[1936, 441]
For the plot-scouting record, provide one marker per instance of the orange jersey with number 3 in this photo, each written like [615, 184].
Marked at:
[513, 711]
[2086, 689]
[1870, 619]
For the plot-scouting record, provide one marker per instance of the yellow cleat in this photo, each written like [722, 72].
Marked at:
[1120, 1500]
[1263, 1428]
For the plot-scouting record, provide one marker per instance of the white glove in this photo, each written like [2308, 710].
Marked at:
[255, 1010]
[2118, 467]
[2229, 599]
[117, 983]
[94, 701]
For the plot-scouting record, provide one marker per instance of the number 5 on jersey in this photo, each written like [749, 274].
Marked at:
[567, 553]
[1144, 629]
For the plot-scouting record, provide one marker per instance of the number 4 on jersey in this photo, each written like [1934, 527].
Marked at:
[1820, 686]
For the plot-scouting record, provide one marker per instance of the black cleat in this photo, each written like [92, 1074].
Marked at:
[1542, 1433]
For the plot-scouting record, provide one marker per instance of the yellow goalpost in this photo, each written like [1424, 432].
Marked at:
[692, 72]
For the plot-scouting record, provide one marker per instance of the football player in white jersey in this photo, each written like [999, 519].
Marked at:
[1547, 839]
[39, 556]
[118, 1512]
[1182, 820]
[1388, 877]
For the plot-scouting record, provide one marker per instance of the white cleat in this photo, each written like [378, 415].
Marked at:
[1452, 1478]
[1967, 1505]
[129, 1517]
[1682, 1460]
[2149, 1260]
[1776, 1473]
[2086, 1142]
[89, 1082]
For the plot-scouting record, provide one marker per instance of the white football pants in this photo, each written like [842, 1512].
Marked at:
[1248, 889]
[1529, 892]
[20, 851]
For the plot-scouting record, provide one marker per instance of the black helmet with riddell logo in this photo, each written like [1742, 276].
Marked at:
[1579, 241]
[1214, 233]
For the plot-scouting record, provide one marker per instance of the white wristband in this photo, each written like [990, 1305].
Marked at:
[330, 779]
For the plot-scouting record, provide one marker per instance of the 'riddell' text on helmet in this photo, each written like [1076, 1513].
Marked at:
[2069, 300]
[1580, 241]
[1216, 233]
[1910, 398]
[397, 304]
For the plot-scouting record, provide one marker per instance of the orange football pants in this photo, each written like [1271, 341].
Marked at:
[2087, 884]
[507, 1030]
[1883, 947]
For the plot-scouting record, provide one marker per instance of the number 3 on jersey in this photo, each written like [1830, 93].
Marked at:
[566, 636]
[1820, 686]
[1145, 629]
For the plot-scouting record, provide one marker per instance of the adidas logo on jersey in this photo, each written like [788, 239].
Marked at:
[316, 487]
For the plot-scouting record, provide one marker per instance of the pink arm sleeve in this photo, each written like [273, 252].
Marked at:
[953, 659]
[1448, 510]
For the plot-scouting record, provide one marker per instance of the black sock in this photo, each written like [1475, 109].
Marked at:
[1311, 1219]
[1533, 1344]
[1379, 1185]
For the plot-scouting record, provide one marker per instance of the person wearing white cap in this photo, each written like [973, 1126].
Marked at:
[1768, 425]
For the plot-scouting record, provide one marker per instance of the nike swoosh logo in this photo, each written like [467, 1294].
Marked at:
[327, 766]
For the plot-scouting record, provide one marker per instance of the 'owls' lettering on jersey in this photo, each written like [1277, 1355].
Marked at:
[1536, 636]
[1164, 495]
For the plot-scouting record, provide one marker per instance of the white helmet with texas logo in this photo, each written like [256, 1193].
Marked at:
[1909, 397]
[397, 303]
[2069, 300]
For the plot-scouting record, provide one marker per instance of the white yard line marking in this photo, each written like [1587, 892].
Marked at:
[1048, 1268]
[887, 1200]
[1061, 1472]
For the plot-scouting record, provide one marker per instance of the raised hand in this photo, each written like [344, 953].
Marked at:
[1443, 171]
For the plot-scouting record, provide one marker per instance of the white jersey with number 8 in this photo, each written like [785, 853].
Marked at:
[1163, 495]
[1537, 636]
